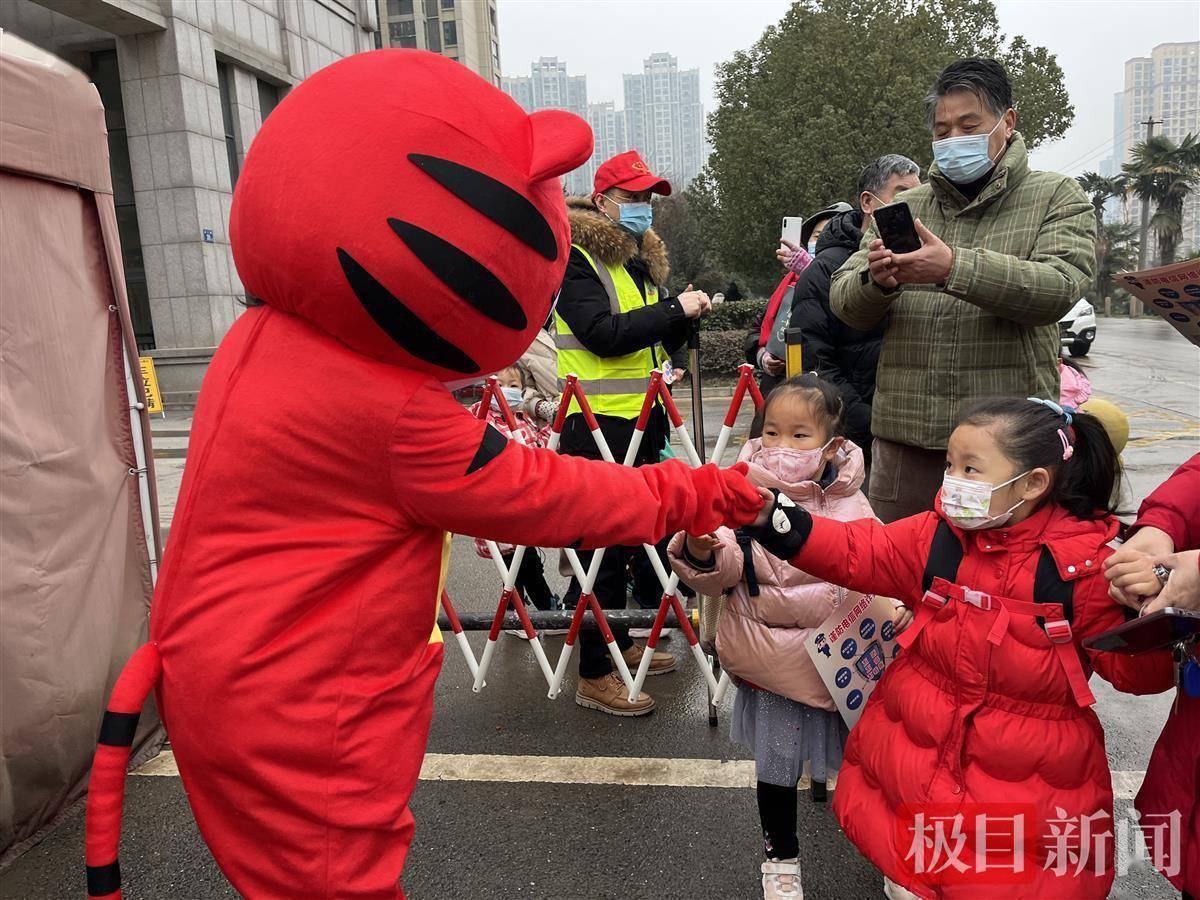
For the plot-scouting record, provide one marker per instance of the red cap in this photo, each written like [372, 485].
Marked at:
[628, 171]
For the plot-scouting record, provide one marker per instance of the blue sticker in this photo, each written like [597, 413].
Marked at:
[866, 629]
[1192, 290]
[1163, 304]
[870, 664]
[854, 699]
[208, 235]
[842, 678]
[849, 648]
[1179, 317]
[1168, 293]
[887, 631]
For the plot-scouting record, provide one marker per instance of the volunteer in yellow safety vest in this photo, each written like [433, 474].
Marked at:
[614, 326]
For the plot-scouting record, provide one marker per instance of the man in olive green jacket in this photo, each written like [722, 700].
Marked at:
[1005, 253]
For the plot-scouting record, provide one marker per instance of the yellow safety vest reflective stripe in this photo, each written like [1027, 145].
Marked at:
[614, 385]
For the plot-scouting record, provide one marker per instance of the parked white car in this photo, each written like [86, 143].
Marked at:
[1077, 328]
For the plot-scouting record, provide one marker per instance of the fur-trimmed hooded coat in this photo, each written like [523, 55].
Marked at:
[584, 305]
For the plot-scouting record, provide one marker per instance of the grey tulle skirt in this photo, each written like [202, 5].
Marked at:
[784, 734]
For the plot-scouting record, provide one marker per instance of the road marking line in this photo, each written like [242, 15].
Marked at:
[623, 771]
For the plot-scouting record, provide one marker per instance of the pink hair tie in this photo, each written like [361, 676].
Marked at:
[1068, 450]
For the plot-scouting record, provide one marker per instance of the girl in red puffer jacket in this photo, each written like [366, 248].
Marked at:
[981, 733]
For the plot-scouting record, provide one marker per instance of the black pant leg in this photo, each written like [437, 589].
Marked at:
[531, 580]
[777, 814]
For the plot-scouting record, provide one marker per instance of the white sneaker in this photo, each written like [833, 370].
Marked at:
[520, 632]
[781, 880]
[893, 891]
[643, 633]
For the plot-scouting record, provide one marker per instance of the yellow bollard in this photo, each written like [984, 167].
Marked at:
[791, 338]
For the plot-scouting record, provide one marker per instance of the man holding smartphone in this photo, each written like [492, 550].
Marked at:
[1005, 251]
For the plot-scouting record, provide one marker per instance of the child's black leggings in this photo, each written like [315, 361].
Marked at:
[777, 812]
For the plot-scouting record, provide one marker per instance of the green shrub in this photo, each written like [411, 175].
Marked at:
[721, 352]
[733, 316]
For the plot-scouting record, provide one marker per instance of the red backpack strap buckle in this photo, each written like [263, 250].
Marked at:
[931, 603]
[1059, 632]
[979, 599]
[934, 601]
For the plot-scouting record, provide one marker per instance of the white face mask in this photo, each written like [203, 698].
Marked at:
[968, 504]
[791, 466]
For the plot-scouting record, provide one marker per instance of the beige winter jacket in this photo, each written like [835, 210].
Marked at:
[761, 639]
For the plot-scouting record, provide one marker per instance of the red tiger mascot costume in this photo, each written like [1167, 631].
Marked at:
[403, 223]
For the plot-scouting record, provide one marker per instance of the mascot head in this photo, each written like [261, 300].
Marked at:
[403, 205]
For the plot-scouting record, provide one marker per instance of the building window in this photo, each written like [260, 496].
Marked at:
[403, 34]
[433, 35]
[224, 75]
[447, 4]
[431, 9]
[450, 33]
[268, 98]
[400, 7]
[105, 75]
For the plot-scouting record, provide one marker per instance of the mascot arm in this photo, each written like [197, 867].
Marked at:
[452, 471]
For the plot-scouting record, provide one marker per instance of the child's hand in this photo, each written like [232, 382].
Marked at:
[702, 546]
[1131, 577]
[768, 500]
[903, 618]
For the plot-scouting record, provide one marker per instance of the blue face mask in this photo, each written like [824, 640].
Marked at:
[965, 158]
[812, 248]
[636, 218]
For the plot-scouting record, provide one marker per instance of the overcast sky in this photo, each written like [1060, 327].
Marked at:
[605, 38]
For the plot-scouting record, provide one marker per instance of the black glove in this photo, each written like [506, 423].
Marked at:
[787, 528]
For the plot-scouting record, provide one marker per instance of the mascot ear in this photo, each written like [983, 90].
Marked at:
[561, 142]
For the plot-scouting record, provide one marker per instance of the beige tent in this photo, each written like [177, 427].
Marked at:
[78, 516]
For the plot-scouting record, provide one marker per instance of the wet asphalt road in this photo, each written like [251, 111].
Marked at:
[620, 840]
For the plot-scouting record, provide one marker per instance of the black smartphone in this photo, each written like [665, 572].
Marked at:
[1153, 632]
[896, 227]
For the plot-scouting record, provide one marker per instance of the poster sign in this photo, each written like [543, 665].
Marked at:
[850, 650]
[150, 383]
[1171, 291]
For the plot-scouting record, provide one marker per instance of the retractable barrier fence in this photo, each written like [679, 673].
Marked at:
[510, 610]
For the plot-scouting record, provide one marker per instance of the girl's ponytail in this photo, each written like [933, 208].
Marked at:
[1086, 484]
[1072, 445]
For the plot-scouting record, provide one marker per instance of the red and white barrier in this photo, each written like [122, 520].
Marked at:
[572, 391]
[508, 572]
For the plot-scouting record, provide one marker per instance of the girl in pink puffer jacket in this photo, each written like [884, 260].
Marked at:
[782, 712]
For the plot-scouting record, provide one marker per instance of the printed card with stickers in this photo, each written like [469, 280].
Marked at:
[851, 648]
[1171, 291]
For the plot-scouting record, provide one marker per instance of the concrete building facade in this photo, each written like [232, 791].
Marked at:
[186, 85]
[1166, 86]
[464, 30]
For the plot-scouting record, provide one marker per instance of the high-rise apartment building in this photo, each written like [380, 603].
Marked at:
[663, 118]
[464, 30]
[1166, 86]
[666, 119]
[548, 86]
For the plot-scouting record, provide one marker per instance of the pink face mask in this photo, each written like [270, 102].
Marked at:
[791, 466]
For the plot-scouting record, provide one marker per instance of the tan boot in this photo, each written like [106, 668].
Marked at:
[609, 694]
[660, 663]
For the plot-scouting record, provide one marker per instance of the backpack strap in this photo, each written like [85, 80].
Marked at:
[746, 543]
[1049, 587]
[945, 555]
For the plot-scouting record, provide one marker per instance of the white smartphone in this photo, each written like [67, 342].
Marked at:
[790, 230]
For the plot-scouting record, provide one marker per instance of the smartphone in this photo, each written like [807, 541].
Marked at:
[1156, 631]
[896, 227]
[790, 230]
